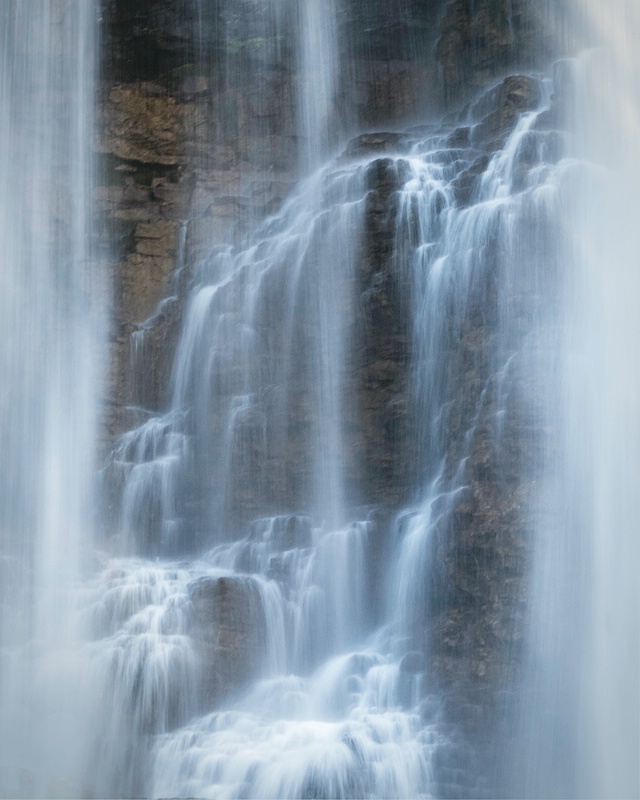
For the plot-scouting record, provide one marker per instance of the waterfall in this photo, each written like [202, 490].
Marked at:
[303, 674]
[319, 65]
[380, 541]
[50, 325]
[609, 90]
[585, 623]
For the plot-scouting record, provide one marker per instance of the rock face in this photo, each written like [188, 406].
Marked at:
[197, 128]
[147, 39]
[483, 39]
[228, 631]
[384, 349]
[143, 127]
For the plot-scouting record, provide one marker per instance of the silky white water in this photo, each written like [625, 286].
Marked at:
[50, 318]
[585, 612]
[610, 250]
[282, 651]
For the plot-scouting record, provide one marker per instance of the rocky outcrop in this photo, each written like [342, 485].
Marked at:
[498, 110]
[476, 605]
[383, 352]
[190, 158]
[388, 46]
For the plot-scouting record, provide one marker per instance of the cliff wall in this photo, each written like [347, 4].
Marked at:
[198, 142]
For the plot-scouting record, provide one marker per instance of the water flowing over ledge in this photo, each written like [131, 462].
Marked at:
[381, 541]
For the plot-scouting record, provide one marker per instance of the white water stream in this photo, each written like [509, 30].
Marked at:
[279, 659]
[50, 316]
[586, 594]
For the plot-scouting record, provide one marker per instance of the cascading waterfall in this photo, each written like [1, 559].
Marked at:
[308, 574]
[336, 698]
[50, 320]
[249, 634]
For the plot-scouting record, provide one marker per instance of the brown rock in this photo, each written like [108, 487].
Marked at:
[228, 630]
[139, 127]
[144, 280]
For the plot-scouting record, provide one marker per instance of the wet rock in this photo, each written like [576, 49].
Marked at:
[413, 663]
[283, 533]
[149, 39]
[385, 175]
[461, 137]
[152, 362]
[387, 28]
[481, 40]
[194, 85]
[141, 127]
[466, 182]
[369, 143]
[145, 274]
[228, 631]
[392, 91]
[500, 108]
